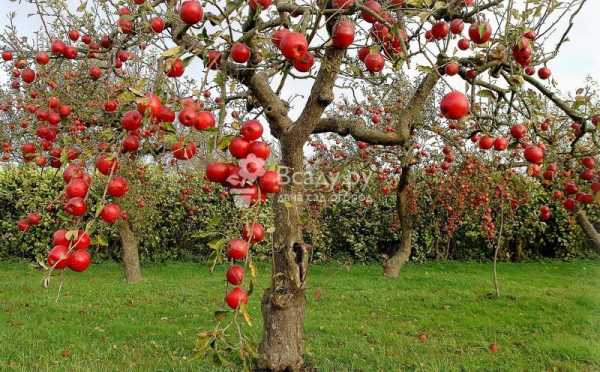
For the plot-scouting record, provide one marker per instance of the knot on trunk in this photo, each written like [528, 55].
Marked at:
[325, 99]
[301, 255]
[282, 298]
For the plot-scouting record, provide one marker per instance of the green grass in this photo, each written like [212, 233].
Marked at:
[548, 318]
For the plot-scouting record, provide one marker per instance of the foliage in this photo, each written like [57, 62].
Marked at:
[171, 225]
[177, 223]
[358, 230]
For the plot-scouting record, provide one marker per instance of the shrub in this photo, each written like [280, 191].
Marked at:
[180, 221]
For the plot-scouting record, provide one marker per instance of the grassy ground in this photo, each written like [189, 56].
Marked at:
[548, 318]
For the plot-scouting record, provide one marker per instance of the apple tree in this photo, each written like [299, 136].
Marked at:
[282, 64]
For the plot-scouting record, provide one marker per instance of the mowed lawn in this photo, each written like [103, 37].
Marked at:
[547, 319]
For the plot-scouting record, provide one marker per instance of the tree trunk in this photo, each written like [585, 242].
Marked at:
[283, 303]
[129, 253]
[519, 253]
[588, 228]
[392, 266]
[401, 254]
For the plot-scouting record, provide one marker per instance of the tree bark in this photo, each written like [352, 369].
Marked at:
[129, 253]
[282, 345]
[519, 254]
[392, 265]
[588, 228]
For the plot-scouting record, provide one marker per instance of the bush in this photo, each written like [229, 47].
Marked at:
[172, 225]
[362, 233]
[180, 221]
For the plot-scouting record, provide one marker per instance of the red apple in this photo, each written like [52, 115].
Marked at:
[236, 297]
[117, 187]
[239, 147]
[544, 73]
[374, 7]
[76, 207]
[343, 34]
[454, 105]
[456, 26]
[217, 172]
[500, 144]
[534, 154]
[518, 131]
[304, 62]
[191, 12]
[58, 256]
[157, 25]
[270, 182]
[440, 30]
[204, 120]
[259, 149]
[374, 62]
[239, 52]
[258, 232]
[486, 142]
[464, 44]
[235, 274]
[237, 249]
[251, 130]
[293, 45]
[480, 32]
[79, 260]
[110, 213]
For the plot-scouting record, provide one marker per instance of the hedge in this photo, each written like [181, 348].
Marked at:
[196, 226]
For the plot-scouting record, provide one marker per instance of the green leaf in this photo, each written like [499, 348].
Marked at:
[203, 234]
[101, 240]
[216, 244]
[425, 69]
[224, 142]
[171, 52]
[439, 5]
[106, 134]
[126, 97]
[482, 29]
[170, 139]
[486, 93]
[252, 268]
[250, 287]
[168, 127]
[244, 312]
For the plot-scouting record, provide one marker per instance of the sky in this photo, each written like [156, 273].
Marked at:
[580, 57]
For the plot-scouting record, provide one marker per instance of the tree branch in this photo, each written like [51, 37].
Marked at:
[358, 129]
[321, 94]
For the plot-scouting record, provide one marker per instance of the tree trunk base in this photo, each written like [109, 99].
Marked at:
[391, 270]
[130, 254]
[392, 266]
[281, 347]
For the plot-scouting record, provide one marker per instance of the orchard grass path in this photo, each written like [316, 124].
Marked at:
[547, 319]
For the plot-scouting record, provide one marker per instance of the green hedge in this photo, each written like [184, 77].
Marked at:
[342, 231]
[356, 232]
[165, 226]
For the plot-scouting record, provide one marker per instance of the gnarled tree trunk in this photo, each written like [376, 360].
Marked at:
[282, 346]
[588, 228]
[401, 254]
[129, 253]
[283, 303]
